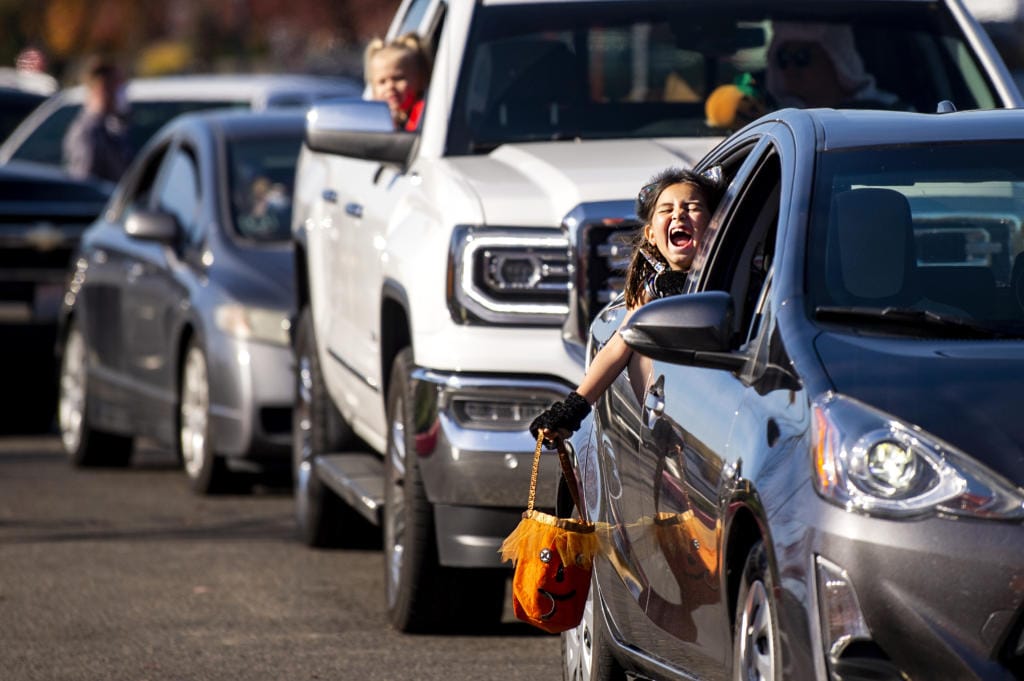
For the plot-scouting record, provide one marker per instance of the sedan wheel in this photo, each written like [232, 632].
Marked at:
[756, 632]
[207, 472]
[84, 445]
[586, 655]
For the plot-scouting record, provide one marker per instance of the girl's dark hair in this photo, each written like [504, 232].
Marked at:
[640, 269]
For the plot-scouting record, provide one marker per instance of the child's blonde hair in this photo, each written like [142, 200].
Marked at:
[409, 44]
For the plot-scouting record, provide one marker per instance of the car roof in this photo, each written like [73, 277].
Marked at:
[848, 128]
[257, 88]
[243, 122]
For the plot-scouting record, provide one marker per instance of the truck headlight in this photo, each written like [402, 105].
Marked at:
[253, 323]
[510, 275]
[868, 461]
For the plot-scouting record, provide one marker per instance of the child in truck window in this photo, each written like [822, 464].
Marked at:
[675, 208]
[397, 73]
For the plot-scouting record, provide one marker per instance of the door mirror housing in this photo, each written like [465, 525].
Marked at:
[152, 226]
[358, 129]
[694, 330]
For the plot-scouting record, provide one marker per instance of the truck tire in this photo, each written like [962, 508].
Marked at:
[322, 518]
[84, 445]
[422, 595]
[207, 473]
[756, 624]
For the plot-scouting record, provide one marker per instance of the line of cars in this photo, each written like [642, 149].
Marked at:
[797, 399]
[43, 211]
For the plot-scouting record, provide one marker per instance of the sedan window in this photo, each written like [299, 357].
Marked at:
[917, 228]
[261, 175]
[179, 194]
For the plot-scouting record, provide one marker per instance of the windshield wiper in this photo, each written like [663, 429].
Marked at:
[913, 320]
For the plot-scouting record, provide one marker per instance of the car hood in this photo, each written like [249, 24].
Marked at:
[539, 183]
[965, 392]
[259, 276]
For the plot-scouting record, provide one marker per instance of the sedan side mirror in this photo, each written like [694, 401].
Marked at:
[690, 329]
[358, 129]
[152, 226]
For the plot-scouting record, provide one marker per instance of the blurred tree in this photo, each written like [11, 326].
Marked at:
[202, 35]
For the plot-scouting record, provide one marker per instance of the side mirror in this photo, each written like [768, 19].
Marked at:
[690, 329]
[152, 226]
[359, 129]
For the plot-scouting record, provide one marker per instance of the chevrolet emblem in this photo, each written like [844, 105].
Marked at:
[44, 236]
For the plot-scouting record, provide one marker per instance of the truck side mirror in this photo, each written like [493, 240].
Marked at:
[690, 329]
[358, 129]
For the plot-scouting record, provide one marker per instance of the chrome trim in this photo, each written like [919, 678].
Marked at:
[466, 302]
[374, 385]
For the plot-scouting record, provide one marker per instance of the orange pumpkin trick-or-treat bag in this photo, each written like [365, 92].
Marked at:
[553, 558]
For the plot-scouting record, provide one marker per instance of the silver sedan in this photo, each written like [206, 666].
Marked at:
[175, 317]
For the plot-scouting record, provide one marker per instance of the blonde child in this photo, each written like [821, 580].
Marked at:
[397, 73]
[675, 208]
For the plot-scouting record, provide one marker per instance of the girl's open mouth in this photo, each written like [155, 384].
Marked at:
[680, 237]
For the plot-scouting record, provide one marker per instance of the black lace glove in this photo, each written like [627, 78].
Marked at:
[561, 417]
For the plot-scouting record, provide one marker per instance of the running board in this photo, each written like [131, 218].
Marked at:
[356, 477]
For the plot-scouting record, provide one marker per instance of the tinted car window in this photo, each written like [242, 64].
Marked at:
[612, 70]
[179, 193]
[944, 232]
[44, 145]
[261, 175]
[14, 106]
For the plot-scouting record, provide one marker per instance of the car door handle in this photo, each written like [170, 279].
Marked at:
[329, 195]
[354, 209]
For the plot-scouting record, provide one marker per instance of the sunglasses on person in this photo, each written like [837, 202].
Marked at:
[799, 57]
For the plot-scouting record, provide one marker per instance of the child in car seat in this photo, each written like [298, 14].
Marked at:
[397, 73]
[675, 208]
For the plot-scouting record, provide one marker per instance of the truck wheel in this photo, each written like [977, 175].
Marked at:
[207, 473]
[317, 428]
[586, 654]
[84, 445]
[756, 627]
[423, 596]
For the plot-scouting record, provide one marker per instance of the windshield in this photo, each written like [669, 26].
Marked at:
[261, 175]
[45, 143]
[919, 228]
[642, 69]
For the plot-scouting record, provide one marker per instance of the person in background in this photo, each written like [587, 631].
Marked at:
[96, 143]
[675, 209]
[397, 73]
[818, 65]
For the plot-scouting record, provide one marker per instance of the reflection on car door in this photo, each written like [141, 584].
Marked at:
[688, 417]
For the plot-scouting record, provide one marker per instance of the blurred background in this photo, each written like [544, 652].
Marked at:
[186, 36]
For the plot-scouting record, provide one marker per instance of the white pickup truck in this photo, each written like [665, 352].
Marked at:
[446, 278]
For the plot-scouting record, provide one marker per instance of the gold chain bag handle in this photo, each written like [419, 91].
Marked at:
[553, 558]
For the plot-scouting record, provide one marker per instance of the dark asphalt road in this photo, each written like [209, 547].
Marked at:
[124, 574]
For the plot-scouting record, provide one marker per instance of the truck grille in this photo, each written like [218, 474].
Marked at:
[600, 236]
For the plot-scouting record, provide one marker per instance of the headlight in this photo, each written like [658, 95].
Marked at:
[253, 323]
[868, 461]
[509, 275]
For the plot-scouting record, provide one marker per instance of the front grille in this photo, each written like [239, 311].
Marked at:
[603, 252]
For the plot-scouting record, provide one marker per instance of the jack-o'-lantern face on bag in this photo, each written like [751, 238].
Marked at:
[549, 593]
